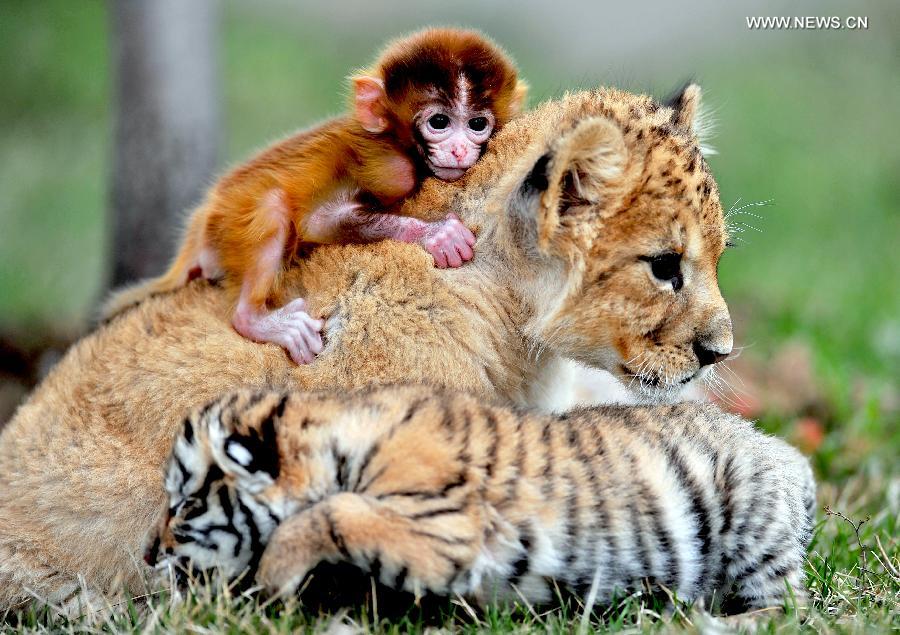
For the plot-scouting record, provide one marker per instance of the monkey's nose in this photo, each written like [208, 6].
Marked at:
[458, 152]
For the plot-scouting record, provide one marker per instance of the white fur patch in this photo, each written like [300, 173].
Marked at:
[239, 454]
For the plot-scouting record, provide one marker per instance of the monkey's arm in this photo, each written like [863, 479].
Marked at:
[344, 220]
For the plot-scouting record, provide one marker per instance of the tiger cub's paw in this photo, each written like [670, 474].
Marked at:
[290, 555]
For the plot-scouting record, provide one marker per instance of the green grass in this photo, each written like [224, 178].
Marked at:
[846, 597]
[810, 127]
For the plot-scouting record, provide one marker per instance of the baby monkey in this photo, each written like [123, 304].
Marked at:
[427, 106]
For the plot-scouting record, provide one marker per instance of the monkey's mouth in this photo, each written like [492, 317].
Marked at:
[446, 173]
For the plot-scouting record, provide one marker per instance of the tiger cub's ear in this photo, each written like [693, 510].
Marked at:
[249, 455]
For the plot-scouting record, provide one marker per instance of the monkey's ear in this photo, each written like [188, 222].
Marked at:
[519, 97]
[577, 171]
[368, 101]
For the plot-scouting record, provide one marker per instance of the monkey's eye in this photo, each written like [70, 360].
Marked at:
[478, 123]
[439, 122]
[666, 267]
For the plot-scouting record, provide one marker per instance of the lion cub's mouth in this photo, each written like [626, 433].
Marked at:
[649, 381]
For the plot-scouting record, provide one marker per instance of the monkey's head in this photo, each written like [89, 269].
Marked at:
[441, 93]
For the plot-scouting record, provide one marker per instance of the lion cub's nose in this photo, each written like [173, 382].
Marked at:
[708, 356]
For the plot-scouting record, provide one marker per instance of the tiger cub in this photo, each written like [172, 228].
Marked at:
[442, 493]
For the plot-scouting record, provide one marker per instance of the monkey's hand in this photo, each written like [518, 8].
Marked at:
[448, 241]
[289, 326]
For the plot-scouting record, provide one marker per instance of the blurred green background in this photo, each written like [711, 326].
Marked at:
[806, 121]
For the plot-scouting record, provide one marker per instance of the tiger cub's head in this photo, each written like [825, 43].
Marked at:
[224, 460]
[616, 222]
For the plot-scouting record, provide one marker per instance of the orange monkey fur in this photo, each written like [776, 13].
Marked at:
[261, 209]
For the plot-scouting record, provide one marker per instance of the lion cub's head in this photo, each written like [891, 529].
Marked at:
[619, 231]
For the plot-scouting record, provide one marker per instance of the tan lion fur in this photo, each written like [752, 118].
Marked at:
[566, 201]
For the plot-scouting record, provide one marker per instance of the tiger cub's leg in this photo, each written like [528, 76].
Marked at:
[401, 550]
[765, 545]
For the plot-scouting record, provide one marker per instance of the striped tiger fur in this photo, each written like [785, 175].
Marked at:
[443, 493]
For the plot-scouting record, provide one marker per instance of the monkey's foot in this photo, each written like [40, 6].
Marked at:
[448, 241]
[289, 326]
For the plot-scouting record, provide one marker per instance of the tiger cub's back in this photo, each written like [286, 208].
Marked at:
[684, 495]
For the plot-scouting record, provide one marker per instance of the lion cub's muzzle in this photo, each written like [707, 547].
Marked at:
[716, 344]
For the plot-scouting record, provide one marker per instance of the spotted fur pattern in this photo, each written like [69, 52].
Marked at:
[442, 493]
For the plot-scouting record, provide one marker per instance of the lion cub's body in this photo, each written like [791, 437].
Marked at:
[568, 202]
[438, 492]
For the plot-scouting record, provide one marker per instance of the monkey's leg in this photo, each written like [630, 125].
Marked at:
[404, 552]
[289, 326]
[343, 220]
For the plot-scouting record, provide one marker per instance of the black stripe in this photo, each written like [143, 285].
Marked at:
[571, 524]
[757, 564]
[228, 510]
[340, 463]
[256, 545]
[152, 553]
[639, 533]
[214, 474]
[375, 566]
[444, 539]
[446, 489]
[364, 465]
[465, 455]
[188, 430]
[671, 574]
[455, 564]
[185, 475]
[519, 460]
[523, 563]
[613, 546]
[437, 511]
[784, 569]
[493, 452]
[592, 492]
[335, 536]
[400, 580]
[548, 488]
[697, 506]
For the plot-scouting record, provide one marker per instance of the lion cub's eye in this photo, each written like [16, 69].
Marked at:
[666, 267]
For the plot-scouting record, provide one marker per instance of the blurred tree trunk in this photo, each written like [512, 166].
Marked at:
[166, 125]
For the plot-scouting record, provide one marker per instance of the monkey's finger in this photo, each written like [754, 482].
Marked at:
[297, 304]
[440, 258]
[453, 258]
[295, 347]
[467, 234]
[460, 248]
[311, 338]
[465, 251]
[305, 342]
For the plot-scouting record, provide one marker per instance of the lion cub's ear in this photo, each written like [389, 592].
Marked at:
[688, 114]
[580, 167]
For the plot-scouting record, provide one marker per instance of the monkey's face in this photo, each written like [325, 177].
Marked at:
[452, 137]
